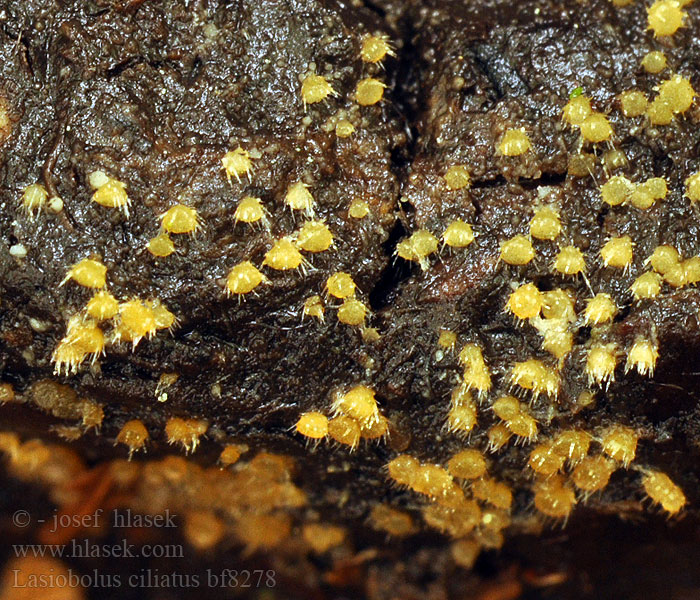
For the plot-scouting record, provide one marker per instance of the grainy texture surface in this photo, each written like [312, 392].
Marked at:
[154, 94]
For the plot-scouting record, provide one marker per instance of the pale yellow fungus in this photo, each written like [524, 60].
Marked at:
[458, 234]
[359, 208]
[180, 219]
[283, 256]
[315, 236]
[340, 285]
[545, 224]
[299, 197]
[599, 309]
[517, 251]
[570, 261]
[514, 142]
[34, 198]
[312, 425]
[243, 279]
[617, 252]
[237, 164]
[375, 48]
[161, 245]
[665, 17]
[369, 91]
[457, 177]
[315, 88]
[89, 273]
[525, 302]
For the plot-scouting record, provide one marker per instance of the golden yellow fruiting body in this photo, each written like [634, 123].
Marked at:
[314, 236]
[633, 103]
[315, 88]
[312, 425]
[243, 278]
[663, 491]
[601, 363]
[596, 128]
[369, 91]
[283, 256]
[359, 208]
[654, 62]
[458, 234]
[134, 435]
[646, 286]
[161, 245]
[517, 251]
[180, 219]
[299, 197]
[102, 306]
[250, 210]
[375, 48]
[599, 309]
[89, 273]
[457, 177]
[34, 198]
[535, 376]
[570, 261]
[577, 110]
[620, 444]
[545, 224]
[352, 312]
[237, 163]
[665, 17]
[313, 307]
[616, 190]
[467, 464]
[642, 356]
[341, 285]
[525, 302]
[514, 142]
[617, 252]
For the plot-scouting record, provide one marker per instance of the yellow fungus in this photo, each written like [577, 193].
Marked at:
[403, 469]
[535, 376]
[312, 425]
[633, 103]
[243, 278]
[344, 128]
[506, 407]
[352, 312]
[523, 426]
[299, 197]
[545, 224]
[570, 261]
[615, 159]
[374, 428]
[593, 473]
[558, 304]
[180, 219]
[458, 234]
[616, 190]
[359, 209]
[494, 492]
[558, 340]
[447, 339]
[647, 285]
[340, 285]
[663, 259]
[283, 256]
[358, 403]
[230, 454]
[457, 177]
[453, 521]
[375, 48]
[553, 498]
[620, 444]
[369, 91]
[185, 432]
[654, 62]
[572, 444]
[34, 198]
[136, 321]
[692, 187]
[237, 164]
[467, 464]
[517, 251]
[344, 430]
[545, 460]
[390, 520]
[203, 529]
[315, 88]
[88, 273]
[109, 192]
[642, 356]
[599, 309]
[134, 435]
[314, 236]
[596, 128]
[476, 373]
[660, 112]
[462, 418]
[617, 252]
[577, 110]
[601, 363]
[250, 210]
[81, 340]
[525, 302]
[418, 247]
[665, 17]
[514, 142]
[161, 245]
[498, 436]
[663, 491]
[691, 269]
[678, 93]
[313, 307]
[102, 306]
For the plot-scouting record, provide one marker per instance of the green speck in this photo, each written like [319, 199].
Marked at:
[576, 93]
